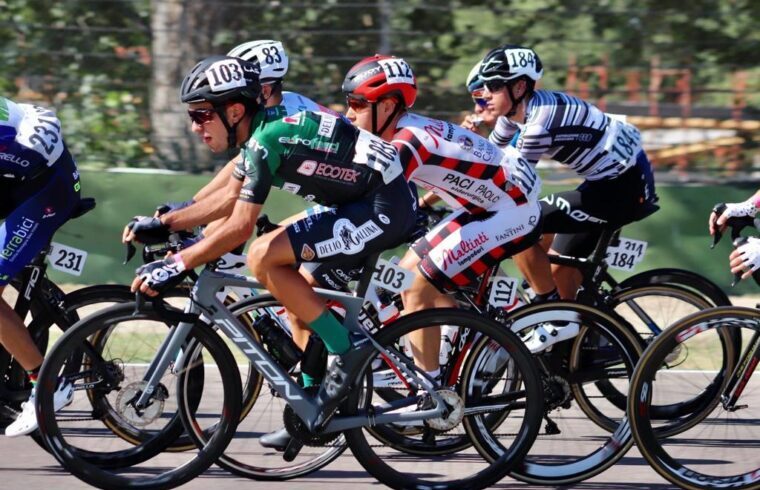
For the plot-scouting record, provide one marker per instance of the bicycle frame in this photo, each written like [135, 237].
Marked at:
[205, 301]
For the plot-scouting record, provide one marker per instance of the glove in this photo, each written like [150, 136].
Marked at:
[170, 206]
[750, 253]
[159, 275]
[149, 230]
[740, 209]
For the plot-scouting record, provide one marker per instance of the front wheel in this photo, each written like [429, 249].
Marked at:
[720, 450]
[502, 380]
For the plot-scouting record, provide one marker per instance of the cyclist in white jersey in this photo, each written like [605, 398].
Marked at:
[494, 192]
[605, 151]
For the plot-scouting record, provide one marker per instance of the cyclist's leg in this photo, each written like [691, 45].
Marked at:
[454, 253]
[27, 229]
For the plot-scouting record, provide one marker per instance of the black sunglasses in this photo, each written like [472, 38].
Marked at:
[495, 85]
[201, 116]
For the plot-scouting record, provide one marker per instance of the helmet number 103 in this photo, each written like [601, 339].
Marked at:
[224, 75]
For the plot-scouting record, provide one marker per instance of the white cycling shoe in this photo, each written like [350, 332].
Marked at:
[26, 423]
[548, 334]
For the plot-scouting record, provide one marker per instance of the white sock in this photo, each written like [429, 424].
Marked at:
[434, 373]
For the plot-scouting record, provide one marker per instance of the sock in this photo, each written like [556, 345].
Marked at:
[332, 333]
[33, 375]
[309, 380]
[434, 373]
[550, 296]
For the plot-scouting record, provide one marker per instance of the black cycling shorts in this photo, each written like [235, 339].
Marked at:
[578, 217]
[333, 243]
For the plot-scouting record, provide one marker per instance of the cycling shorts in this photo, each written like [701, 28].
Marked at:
[578, 217]
[33, 211]
[333, 243]
[463, 246]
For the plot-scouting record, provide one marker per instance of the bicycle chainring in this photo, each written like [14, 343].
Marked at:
[297, 428]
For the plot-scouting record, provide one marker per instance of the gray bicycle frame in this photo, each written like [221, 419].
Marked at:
[204, 300]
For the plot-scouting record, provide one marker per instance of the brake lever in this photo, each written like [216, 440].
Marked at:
[131, 250]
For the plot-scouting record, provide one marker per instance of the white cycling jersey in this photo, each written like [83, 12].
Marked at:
[30, 139]
[573, 132]
[463, 168]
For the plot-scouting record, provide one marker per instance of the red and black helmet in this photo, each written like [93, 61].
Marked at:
[380, 76]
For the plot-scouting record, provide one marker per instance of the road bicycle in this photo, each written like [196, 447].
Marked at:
[193, 342]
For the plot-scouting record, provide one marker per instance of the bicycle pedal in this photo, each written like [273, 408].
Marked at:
[293, 448]
[551, 428]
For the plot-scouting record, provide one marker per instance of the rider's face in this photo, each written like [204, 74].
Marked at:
[360, 112]
[497, 100]
[208, 126]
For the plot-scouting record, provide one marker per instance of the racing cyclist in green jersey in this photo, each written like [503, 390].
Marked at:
[316, 155]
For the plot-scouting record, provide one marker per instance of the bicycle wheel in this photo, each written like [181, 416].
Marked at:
[244, 456]
[584, 434]
[76, 436]
[481, 393]
[649, 310]
[721, 451]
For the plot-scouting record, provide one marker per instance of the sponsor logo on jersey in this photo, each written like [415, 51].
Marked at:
[316, 144]
[383, 219]
[437, 129]
[307, 167]
[342, 275]
[334, 172]
[464, 252]
[49, 212]
[9, 157]
[307, 253]
[347, 238]
[330, 282]
[465, 143]
[509, 233]
[327, 124]
[255, 146]
[294, 119]
[463, 186]
[18, 237]
[576, 214]
[291, 187]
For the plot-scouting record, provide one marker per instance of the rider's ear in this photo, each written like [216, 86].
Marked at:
[235, 112]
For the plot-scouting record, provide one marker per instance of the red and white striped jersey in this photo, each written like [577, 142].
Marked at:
[463, 168]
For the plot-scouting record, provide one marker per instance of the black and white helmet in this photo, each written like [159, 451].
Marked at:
[218, 79]
[510, 62]
[474, 82]
[271, 56]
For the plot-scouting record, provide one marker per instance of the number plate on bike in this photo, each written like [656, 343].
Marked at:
[67, 259]
[503, 292]
[392, 277]
[626, 254]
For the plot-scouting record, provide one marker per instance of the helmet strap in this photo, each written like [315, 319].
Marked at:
[391, 117]
[515, 101]
[232, 146]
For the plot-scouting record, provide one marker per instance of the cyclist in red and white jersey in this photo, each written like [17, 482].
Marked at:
[494, 192]
[605, 151]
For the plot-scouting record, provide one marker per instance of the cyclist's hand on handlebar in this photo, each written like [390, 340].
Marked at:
[145, 229]
[154, 276]
[717, 220]
[745, 259]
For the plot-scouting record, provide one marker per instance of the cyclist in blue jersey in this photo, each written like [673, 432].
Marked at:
[40, 185]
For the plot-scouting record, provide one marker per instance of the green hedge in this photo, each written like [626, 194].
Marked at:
[677, 234]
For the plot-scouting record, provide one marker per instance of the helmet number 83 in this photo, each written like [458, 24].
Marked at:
[271, 55]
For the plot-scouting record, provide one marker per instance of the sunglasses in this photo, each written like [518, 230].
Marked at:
[481, 102]
[201, 116]
[495, 85]
[356, 104]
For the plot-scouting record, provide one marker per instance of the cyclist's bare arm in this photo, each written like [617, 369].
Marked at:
[206, 210]
[236, 229]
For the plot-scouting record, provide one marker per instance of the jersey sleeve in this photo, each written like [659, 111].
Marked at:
[503, 132]
[256, 170]
[534, 142]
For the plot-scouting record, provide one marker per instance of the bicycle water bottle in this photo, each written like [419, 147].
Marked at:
[279, 343]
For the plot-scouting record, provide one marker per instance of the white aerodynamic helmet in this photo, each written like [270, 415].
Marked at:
[270, 54]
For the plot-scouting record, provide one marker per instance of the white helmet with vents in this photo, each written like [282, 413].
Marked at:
[271, 57]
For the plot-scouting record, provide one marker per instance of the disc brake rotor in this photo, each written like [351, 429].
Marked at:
[140, 418]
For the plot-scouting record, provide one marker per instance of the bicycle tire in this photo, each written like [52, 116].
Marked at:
[736, 441]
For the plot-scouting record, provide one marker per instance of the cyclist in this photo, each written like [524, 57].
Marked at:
[745, 258]
[316, 155]
[481, 119]
[494, 192]
[605, 151]
[41, 189]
